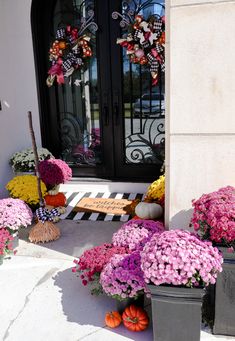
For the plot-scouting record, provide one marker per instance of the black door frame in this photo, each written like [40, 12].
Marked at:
[110, 96]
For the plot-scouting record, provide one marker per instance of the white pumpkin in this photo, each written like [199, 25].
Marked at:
[146, 210]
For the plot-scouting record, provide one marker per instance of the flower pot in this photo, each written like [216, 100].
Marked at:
[1, 259]
[19, 173]
[122, 305]
[176, 313]
[225, 296]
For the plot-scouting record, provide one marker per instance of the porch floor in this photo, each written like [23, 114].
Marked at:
[41, 299]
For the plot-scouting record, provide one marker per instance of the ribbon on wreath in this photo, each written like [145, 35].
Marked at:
[43, 214]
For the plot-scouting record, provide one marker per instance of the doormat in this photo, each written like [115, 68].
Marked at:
[99, 206]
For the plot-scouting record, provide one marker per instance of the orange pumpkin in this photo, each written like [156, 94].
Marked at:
[55, 200]
[135, 318]
[113, 319]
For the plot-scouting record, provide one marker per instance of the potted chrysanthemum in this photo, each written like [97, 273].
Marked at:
[5, 243]
[123, 279]
[14, 214]
[214, 219]
[135, 233]
[177, 266]
[90, 264]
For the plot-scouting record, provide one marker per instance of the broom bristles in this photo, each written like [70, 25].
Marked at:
[44, 232]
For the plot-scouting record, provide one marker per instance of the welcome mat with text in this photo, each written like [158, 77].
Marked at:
[99, 206]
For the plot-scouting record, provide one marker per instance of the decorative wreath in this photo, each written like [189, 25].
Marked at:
[70, 50]
[145, 42]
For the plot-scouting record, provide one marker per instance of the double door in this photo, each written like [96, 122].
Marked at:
[102, 121]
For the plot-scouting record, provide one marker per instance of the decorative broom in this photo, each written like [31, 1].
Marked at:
[44, 231]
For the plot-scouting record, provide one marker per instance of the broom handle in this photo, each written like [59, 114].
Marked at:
[41, 201]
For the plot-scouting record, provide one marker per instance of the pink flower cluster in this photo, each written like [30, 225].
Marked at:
[178, 257]
[122, 276]
[14, 213]
[5, 242]
[54, 172]
[135, 233]
[214, 215]
[93, 260]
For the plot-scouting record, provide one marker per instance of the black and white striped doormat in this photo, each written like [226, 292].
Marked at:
[74, 197]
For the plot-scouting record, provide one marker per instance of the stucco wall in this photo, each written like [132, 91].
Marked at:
[17, 83]
[201, 102]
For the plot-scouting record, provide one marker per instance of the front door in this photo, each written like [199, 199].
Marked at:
[106, 120]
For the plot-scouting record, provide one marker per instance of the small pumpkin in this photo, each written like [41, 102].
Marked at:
[113, 319]
[55, 200]
[146, 210]
[135, 318]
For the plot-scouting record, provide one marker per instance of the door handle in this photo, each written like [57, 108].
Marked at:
[106, 115]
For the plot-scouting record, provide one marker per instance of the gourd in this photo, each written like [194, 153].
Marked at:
[146, 210]
[55, 200]
[135, 318]
[113, 319]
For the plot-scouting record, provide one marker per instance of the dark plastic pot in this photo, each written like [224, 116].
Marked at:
[225, 296]
[122, 305]
[176, 313]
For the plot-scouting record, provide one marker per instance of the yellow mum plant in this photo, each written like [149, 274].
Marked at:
[25, 188]
[156, 190]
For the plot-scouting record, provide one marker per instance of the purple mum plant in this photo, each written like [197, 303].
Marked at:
[54, 172]
[135, 233]
[178, 257]
[214, 216]
[122, 277]
[14, 213]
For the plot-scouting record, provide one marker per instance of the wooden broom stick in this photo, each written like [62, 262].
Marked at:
[41, 201]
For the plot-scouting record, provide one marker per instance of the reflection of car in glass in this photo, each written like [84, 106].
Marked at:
[149, 105]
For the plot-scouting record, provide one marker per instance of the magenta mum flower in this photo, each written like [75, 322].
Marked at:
[214, 215]
[5, 242]
[179, 257]
[54, 172]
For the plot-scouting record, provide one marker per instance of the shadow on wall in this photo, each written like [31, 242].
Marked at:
[182, 219]
[82, 308]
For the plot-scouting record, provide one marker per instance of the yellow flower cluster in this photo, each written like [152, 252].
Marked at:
[156, 190]
[25, 188]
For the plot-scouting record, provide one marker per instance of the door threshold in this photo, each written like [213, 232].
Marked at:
[102, 186]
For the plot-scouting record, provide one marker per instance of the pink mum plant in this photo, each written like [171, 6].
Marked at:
[5, 242]
[92, 262]
[135, 233]
[14, 213]
[54, 172]
[178, 257]
[214, 216]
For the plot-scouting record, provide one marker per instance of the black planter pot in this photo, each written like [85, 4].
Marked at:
[224, 322]
[122, 305]
[176, 313]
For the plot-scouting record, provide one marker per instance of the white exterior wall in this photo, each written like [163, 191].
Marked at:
[17, 83]
[201, 103]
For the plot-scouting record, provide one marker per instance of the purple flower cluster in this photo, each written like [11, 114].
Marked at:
[214, 215]
[54, 172]
[14, 213]
[122, 276]
[135, 233]
[178, 257]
